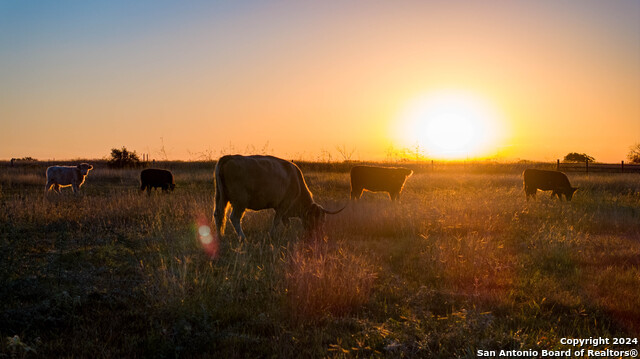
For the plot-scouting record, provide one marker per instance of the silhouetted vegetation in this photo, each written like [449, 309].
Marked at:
[578, 157]
[634, 153]
[121, 158]
[26, 159]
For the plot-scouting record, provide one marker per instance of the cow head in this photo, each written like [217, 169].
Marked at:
[84, 168]
[569, 193]
[314, 217]
[172, 186]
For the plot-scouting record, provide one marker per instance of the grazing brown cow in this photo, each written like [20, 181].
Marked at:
[65, 176]
[153, 177]
[378, 179]
[554, 181]
[262, 182]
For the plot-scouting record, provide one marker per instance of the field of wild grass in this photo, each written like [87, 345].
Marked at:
[461, 263]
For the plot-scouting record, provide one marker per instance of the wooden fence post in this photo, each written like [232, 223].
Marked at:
[557, 165]
[622, 166]
[586, 162]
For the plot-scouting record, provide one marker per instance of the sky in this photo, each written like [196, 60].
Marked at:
[303, 79]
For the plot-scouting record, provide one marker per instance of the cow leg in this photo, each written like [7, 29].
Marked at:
[219, 217]
[75, 188]
[356, 193]
[394, 195]
[279, 217]
[529, 192]
[219, 213]
[236, 217]
[47, 187]
[56, 187]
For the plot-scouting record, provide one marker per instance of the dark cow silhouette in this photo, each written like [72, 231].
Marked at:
[262, 182]
[378, 179]
[153, 177]
[554, 181]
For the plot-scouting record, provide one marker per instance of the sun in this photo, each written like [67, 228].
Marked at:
[450, 125]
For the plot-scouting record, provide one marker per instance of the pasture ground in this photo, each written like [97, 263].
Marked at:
[461, 263]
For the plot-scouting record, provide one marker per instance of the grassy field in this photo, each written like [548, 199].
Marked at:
[461, 263]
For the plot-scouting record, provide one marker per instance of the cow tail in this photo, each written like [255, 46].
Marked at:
[221, 199]
[47, 186]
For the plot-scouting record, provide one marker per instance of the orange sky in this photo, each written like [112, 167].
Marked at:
[303, 78]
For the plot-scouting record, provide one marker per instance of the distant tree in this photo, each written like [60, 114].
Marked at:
[121, 158]
[28, 159]
[634, 153]
[578, 157]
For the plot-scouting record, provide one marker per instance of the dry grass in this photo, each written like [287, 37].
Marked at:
[461, 263]
[325, 279]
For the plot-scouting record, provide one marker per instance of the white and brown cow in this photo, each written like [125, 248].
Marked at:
[65, 176]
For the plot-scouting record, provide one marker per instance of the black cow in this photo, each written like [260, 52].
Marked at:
[555, 181]
[378, 179]
[153, 177]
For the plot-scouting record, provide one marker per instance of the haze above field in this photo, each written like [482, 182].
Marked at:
[518, 79]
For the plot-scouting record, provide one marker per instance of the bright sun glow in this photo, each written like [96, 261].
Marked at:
[450, 125]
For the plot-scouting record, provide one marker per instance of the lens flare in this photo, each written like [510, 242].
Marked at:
[205, 234]
[207, 238]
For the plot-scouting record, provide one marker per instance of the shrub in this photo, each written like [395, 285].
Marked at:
[121, 158]
[578, 157]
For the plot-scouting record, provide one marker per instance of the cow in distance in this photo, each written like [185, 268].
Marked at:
[544, 180]
[65, 176]
[156, 178]
[378, 179]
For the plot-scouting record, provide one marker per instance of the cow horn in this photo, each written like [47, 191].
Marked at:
[333, 212]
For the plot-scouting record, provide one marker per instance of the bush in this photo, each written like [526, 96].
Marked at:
[121, 158]
[578, 157]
